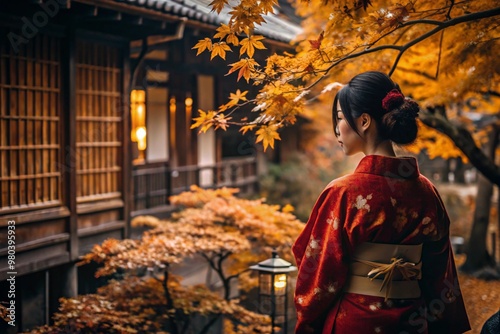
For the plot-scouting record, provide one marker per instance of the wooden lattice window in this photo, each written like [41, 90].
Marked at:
[98, 120]
[30, 108]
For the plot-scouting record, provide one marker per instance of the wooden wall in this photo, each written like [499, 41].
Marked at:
[31, 167]
[63, 150]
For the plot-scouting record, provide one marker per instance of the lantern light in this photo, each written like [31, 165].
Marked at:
[138, 131]
[273, 289]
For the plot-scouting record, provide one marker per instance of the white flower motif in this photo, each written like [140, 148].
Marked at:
[362, 203]
[313, 249]
[393, 201]
[375, 307]
[336, 223]
[317, 291]
[300, 300]
[314, 243]
[331, 288]
[333, 221]
[378, 330]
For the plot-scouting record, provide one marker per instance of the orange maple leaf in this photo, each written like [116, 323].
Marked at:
[218, 5]
[267, 134]
[245, 67]
[222, 31]
[231, 38]
[251, 43]
[245, 128]
[219, 49]
[202, 45]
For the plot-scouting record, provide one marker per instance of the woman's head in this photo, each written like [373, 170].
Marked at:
[375, 96]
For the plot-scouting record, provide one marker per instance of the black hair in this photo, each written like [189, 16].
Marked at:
[364, 94]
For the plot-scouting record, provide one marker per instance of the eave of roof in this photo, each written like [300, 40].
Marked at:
[276, 28]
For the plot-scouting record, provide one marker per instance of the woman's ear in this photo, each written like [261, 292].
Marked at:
[364, 122]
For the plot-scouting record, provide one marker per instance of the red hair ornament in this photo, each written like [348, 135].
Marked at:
[392, 100]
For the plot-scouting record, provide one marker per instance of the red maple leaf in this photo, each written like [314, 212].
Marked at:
[316, 43]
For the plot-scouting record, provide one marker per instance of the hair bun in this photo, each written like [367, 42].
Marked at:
[392, 100]
[400, 124]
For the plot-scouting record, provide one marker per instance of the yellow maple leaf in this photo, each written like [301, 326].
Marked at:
[251, 43]
[236, 97]
[202, 45]
[205, 120]
[245, 128]
[218, 5]
[222, 31]
[219, 49]
[267, 134]
[267, 5]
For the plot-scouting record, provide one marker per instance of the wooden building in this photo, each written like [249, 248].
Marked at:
[96, 100]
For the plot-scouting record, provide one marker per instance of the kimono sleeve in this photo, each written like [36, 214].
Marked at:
[319, 252]
[440, 287]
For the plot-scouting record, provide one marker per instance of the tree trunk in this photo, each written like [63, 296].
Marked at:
[462, 138]
[477, 255]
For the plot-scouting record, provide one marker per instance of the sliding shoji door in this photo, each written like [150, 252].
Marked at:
[98, 120]
[30, 108]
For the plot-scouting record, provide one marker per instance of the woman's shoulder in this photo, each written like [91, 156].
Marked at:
[347, 181]
[339, 183]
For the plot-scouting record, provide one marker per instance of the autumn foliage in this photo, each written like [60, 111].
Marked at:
[226, 232]
[441, 52]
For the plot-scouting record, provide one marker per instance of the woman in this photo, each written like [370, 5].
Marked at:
[375, 256]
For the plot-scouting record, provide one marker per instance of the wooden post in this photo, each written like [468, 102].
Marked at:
[68, 124]
[127, 185]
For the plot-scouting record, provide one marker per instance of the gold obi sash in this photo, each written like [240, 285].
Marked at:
[386, 270]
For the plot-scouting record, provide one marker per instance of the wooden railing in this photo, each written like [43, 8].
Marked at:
[154, 184]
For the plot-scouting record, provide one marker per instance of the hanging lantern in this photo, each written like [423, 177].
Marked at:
[138, 133]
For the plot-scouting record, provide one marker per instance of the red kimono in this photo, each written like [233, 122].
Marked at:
[385, 200]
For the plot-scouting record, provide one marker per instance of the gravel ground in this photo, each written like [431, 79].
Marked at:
[482, 298]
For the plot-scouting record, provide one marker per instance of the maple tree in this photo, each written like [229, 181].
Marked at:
[226, 232]
[414, 41]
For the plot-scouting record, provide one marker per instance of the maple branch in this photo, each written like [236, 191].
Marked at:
[448, 16]
[418, 72]
[494, 93]
[442, 26]
[229, 278]
[439, 54]
[217, 267]
[170, 302]
[464, 141]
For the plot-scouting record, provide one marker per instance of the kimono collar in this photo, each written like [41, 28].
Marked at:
[401, 167]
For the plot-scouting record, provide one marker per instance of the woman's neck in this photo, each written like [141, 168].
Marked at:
[381, 148]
